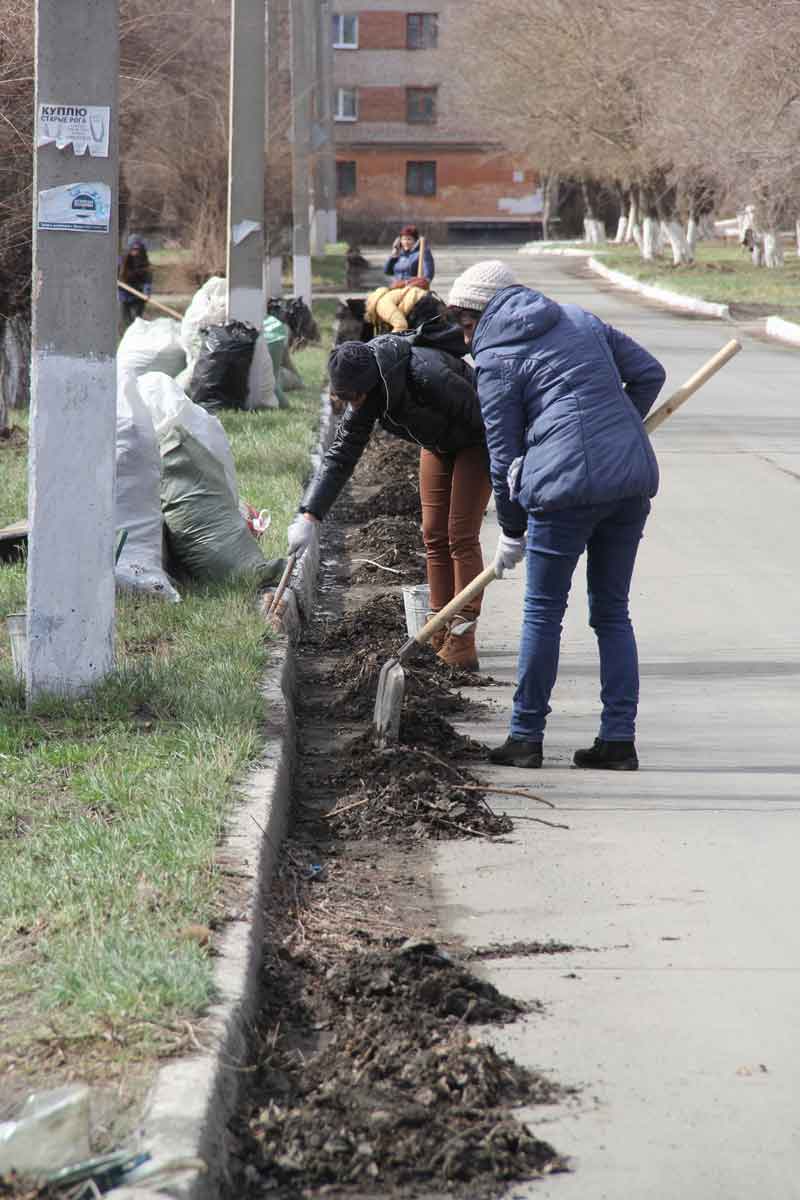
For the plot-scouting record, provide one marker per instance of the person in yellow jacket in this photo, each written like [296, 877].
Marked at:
[389, 308]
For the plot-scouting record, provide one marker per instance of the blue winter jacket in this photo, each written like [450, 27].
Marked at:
[405, 265]
[563, 398]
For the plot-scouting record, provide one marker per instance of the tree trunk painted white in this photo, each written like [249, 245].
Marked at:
[15, 361]
[622, 226]
[649, 245]
[593, 231]
[773, 250]
[636, 235]
[672, 231]
[691, 234]
[705, 227]
[632, 222]
[549, 203]
[797, 235]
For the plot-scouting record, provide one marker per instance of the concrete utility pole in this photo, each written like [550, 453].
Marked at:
[71, 592]
[324, 140]
[246, 158]
[301, 14]
[275, 28]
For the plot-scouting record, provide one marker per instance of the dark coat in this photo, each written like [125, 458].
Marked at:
[563, 398]
[405, 265]
[427, 395]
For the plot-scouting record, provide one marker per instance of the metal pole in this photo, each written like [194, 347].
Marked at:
[301, 149]
[246, 158]
[71, 591]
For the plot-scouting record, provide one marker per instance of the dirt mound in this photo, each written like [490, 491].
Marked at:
[391, 500]
[401, 1097]
[406, 793]
[388, 457]
[380, 621]
[391, 542]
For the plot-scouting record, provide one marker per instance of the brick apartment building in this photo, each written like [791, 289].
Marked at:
[404, 147]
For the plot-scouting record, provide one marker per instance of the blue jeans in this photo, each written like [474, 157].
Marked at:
[610, 534]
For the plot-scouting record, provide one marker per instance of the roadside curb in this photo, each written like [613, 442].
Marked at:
[782, 330]
[662, 295]
[193, 1099]
[565, 251]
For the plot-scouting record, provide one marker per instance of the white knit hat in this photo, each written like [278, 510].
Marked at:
[475, 287]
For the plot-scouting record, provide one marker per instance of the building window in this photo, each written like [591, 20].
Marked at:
[421, 105]
[345, 179]
[421, 178]
[421, 31]
[345, 106]
[345, 31]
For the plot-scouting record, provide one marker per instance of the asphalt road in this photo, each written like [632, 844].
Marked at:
[678, 1014]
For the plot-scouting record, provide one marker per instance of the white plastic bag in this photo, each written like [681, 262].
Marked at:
[261, 379]
[138, 495]
[209, 306]
[151, 346]
[169, 406]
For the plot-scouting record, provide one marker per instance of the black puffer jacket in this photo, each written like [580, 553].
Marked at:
[427, 395]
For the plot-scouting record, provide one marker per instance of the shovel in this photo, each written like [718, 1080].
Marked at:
[391, 681]
[272, 611]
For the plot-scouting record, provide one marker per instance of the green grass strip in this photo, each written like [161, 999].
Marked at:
[722, 274]
[112, 807]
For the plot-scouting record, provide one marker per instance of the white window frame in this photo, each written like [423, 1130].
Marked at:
[338, 20]
[338, 108]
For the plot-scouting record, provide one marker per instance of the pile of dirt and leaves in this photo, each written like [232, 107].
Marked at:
[386, 547]
[368, 1081]
[391, 500]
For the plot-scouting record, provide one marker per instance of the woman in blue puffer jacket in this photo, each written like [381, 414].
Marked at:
[403, 262]
[563, 398]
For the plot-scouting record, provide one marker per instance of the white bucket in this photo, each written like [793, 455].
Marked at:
[417, 603]
[16, 624]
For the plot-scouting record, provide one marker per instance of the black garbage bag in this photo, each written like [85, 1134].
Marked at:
[298, 316]
[220, 376]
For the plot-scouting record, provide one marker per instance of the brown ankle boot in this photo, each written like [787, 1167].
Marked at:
[459, 649]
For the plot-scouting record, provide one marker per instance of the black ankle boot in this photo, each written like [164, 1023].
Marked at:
[515, 752]
[608, 756]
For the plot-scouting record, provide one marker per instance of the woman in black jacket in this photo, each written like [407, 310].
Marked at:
[419, 388]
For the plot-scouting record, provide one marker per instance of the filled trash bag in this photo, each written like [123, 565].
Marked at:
[170, 406]
[221, 374]
[137, 503]
[207, 535]
[276, 336]
[208, 306]
[151, 346]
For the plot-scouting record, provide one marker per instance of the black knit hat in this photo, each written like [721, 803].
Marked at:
[352, 368]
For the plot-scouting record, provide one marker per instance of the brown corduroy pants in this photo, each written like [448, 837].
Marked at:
[454, 491]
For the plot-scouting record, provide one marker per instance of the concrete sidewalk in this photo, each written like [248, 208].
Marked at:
[677, 1013]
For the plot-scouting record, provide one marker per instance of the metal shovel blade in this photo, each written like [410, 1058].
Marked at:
[389, 701]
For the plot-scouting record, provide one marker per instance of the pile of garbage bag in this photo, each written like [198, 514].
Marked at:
[177, 497]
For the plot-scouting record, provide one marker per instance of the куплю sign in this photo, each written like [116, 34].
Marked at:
[83, 125]
[76, 207]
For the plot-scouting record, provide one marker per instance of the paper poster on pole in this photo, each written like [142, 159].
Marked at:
[76, 208]
[85, 126]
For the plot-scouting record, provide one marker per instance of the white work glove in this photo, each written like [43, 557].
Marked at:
[509, 552]
[301, 534]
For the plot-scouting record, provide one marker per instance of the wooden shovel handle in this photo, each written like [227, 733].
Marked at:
[171, 312]
[692, 384]
[281, 588]
[421, 259]
[473, 589]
